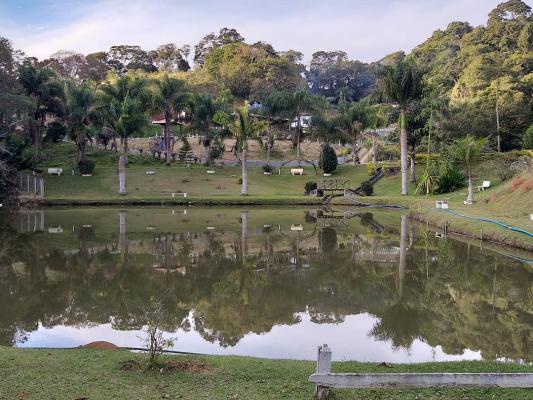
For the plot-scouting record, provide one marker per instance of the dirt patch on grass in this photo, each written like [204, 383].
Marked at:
[190, 366]
[100, 345]
[130, 365]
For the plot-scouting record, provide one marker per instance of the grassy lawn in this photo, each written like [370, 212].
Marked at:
[96, 374]
[176, 178]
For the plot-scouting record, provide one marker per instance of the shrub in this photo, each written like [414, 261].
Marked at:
[371, 169]
[267, 168]
[328, 159]
[527, 186]
[310, 186]
[527, 139]
[345, 151]
[86, 167]
[185, 152]
[367, 188]
[449, 179]
[517, 182]
[55, 132]
[503, 170]
[367, 218]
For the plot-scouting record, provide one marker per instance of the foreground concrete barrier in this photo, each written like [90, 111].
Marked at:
[324, 379]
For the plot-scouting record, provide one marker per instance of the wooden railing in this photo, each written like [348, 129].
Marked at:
[325, 379]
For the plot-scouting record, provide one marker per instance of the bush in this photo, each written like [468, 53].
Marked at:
[328, 159]
[345, 151]
[449, 179]
[367, 188]
[503, 170]
[86, 167]
[55, 132]
[527, 139]
[267, 168]
[371, 168]
[310, 186]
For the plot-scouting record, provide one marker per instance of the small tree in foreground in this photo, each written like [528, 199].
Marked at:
[155, 342]
[328, 159]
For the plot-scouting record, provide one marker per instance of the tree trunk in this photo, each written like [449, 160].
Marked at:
[167, 137]
[375, 149]
[81, 150]
[412, 177]
[298, 127]
[244, 186]
[403, 152]
[498, 114]
[269, 135]
[470, 198]
[125, 145]
[354, 150]
[121, 176]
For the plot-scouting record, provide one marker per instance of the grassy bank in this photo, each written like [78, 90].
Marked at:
[96, 374]
[507, 202]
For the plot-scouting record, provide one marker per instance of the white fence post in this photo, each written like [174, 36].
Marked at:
[323, 366]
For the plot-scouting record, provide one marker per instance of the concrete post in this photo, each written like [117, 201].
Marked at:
[323, 366]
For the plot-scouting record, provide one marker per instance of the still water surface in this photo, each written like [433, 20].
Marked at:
[262, 282]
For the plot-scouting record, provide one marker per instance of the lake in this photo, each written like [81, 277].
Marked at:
[266, 282]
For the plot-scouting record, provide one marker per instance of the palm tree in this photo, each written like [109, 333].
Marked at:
[48, 94]
[401, 84]
[244, 128]
[272, 106]
[81, 112]
[124, 104]
[170, 97]
[204, 109]
[357, 118]
[466, 150]
[296, 104]
[494, 68]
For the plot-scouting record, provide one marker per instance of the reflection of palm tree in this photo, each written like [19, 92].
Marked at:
[122, 238]
[403, 251]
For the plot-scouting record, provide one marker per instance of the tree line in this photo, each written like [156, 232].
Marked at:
[461, 82]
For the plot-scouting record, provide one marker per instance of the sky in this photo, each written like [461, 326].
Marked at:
[366, 29]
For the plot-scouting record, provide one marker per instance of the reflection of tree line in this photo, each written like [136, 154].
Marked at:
[439, 291]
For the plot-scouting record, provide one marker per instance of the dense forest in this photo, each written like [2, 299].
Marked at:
[472, 81]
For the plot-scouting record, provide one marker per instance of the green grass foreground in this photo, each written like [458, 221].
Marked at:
[96, 374]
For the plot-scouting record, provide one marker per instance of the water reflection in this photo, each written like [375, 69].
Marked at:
[271, 282]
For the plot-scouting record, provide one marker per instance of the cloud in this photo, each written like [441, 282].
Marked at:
[366, 30]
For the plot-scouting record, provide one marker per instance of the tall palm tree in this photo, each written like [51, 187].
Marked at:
[357, 118]
[204, 109]
[48, 94]
[81, 113]
[494, 68]
[272, 106]
[466, 150]
[124, 103]
[401, 84]
[244, 128]
[170, 97]
[296, 104]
